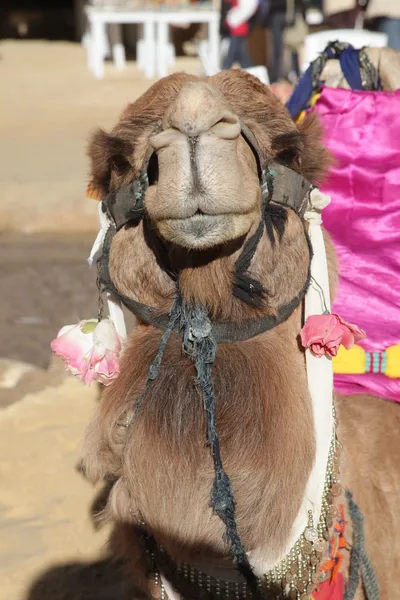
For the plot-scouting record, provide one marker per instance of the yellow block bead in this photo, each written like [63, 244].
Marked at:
[349, 362]
[393, 362]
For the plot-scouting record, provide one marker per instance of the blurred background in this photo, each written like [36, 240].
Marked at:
[67, 67]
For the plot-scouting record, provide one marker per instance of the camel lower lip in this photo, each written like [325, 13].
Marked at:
[205, 231]
[198, 225]
[194, 232]
[201, 217]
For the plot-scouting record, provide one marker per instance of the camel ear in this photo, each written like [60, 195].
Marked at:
[314, 159]
[302, 150]
[107, 153]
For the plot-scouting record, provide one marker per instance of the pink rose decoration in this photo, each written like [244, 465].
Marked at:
[323, 334]
[90, 350]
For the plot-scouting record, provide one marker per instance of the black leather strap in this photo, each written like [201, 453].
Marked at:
[224, 332]
[289, 188]
[279, 184]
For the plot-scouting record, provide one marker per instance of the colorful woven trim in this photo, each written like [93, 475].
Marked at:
[311, 104]
[330, 581]
[330, 591]
[357, 361]
[375, 362]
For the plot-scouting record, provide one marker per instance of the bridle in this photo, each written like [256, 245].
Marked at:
[282, 188]
[126, 205]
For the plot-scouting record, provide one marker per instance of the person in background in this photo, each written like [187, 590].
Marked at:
[236, 21]
[281, 15]
[387, 13]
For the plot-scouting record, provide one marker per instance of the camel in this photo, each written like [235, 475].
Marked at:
[203, 509]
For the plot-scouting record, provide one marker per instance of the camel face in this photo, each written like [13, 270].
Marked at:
[204, 186]
[207, 191]
[183, 166]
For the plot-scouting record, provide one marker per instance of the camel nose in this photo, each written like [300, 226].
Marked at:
[199, 109]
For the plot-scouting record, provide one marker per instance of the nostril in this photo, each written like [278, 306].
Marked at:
[152, 169]
[189, 127]
[228, 118]
[228, 127]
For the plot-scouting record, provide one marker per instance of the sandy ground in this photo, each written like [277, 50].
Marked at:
[48, 105]
[43, 499]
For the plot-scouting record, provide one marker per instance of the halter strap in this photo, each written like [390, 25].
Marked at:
[224, 332]
[279, 184]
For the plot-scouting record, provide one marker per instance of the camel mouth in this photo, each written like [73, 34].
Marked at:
[201, 231]
[200, 223]
[198, 231]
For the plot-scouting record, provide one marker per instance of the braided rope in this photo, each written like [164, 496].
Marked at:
[360, 563]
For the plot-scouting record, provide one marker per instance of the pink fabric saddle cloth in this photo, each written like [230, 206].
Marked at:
[362, 130]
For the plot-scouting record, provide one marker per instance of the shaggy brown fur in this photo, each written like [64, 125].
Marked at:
[163, 468]
[264, 416]
[368, 430]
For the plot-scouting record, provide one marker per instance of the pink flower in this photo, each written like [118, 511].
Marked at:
[323, 334]
[90, 350]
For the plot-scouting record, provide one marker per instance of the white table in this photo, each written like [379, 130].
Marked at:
[154, 48]
[98, 20]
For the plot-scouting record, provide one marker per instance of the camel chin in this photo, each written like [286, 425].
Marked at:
[202, 232]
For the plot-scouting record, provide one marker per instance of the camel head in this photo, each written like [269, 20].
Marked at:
[200, 143]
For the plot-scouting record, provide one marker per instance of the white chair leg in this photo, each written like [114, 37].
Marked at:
[140, 47]
[118, 49]
[149, 49]
[171, 56]
[213, 45]
[162, 49]
[119, 56]
[204, 56]
[87, 42]
[105, 43]
[96, 52]
[140, 55]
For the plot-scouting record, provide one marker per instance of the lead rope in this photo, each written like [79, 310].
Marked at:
[359, 561]
[199, 344]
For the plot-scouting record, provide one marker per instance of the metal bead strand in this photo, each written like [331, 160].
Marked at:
[162, 591]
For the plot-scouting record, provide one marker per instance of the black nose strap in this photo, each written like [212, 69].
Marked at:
[279, 184]
[127, 203]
